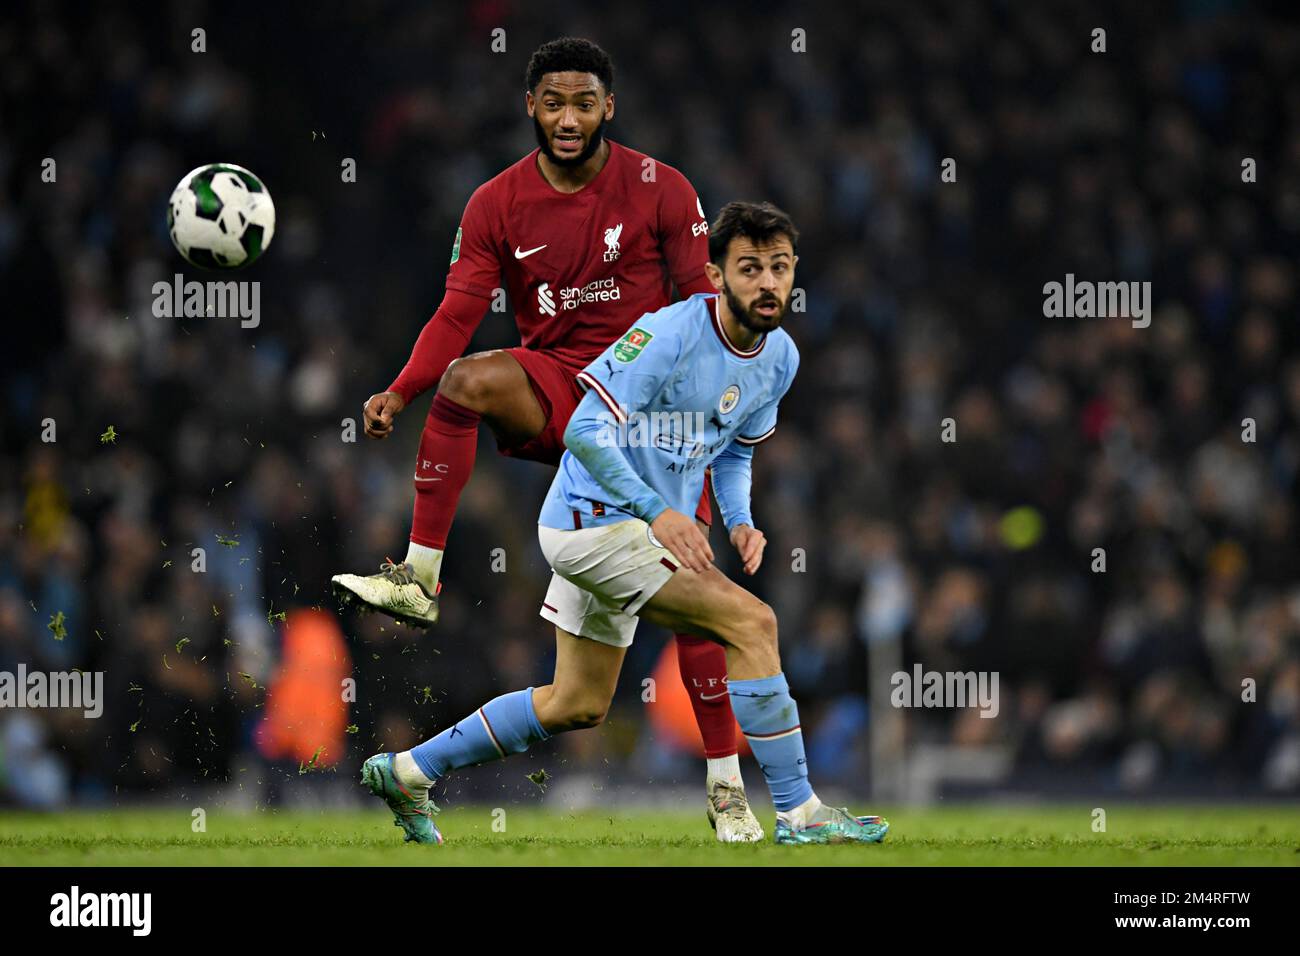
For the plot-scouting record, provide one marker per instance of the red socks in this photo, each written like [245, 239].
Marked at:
[442, 468]
[703, 665]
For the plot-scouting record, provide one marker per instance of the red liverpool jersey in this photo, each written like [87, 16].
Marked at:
[581, 267]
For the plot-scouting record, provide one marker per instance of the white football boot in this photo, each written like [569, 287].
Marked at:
[729, 813]
[393, 591]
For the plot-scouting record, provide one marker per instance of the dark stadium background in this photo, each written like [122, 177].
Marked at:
[923, 301]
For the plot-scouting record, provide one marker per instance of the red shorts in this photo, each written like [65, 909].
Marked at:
[557, 389]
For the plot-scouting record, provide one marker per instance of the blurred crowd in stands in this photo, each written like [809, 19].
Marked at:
[1173, 448]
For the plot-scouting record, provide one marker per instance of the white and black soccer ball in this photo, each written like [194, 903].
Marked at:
[221, 217]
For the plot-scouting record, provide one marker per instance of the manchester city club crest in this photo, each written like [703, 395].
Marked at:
[730, 398]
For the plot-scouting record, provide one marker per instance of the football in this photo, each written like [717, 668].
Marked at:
[221, 217]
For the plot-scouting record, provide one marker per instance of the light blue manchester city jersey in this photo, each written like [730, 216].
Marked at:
[675, 394]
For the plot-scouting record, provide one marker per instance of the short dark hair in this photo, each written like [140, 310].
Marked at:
[570, 54]
[759, 222]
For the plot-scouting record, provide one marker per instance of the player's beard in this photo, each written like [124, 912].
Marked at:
[749, 317]
[593, 144]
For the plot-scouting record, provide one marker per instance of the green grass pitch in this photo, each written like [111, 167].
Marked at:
[946, 836]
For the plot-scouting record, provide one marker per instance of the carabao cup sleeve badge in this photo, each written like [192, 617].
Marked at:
[632, 344]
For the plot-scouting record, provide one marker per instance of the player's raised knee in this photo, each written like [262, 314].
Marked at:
[764, 622]
[469, 381]
[752, 626]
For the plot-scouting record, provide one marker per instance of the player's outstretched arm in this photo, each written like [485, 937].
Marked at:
[592, 437]
[442, 340]
[732, 476]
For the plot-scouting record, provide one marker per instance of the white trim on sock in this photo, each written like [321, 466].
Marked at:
[802, 815]
[426, 565]
[725, 768]
[408, 772]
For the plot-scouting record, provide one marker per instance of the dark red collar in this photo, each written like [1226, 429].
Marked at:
[722, 334]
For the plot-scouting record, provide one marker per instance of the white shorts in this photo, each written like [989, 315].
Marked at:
[603, 576]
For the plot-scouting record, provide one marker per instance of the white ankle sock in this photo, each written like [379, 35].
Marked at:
[408, 772]
[426, 565]
[725, 768]
[802, 815]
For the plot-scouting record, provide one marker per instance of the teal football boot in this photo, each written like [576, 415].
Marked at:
[413, 814]
[842, 827]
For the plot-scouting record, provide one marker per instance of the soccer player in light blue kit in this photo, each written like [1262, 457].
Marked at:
[692, 386]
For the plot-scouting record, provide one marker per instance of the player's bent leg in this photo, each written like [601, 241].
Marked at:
[714, 606]
[619, 560]
[592, 633]
[586, 674]
[487, 387]
[495, 386]
[606, 574]
[702, 665]
[703, 668]
[621, 565]
[711, 604]
[491, 387]
[505, 725]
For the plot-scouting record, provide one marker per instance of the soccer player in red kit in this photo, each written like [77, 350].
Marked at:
[589, 236]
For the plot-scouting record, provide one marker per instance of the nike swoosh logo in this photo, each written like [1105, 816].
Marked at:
[525, 255]
[712, 696]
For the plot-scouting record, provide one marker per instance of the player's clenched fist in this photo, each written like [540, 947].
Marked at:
[750, 542]
[380, 410]
[678, 534]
